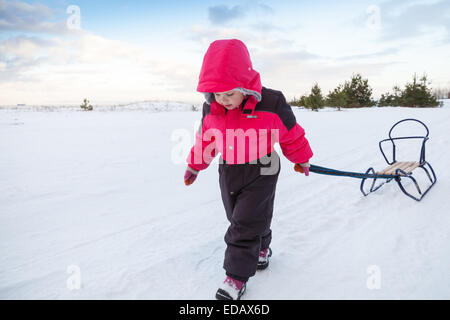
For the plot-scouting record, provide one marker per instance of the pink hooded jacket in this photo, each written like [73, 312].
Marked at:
[247, 133]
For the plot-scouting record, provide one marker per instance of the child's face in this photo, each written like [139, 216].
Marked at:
[229, 99]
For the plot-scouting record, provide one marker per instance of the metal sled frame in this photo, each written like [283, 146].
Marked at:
[401, 170]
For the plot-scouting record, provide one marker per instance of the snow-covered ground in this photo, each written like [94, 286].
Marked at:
[149, 106]
[97, 197]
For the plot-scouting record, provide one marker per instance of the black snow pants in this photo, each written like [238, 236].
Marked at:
[248, 194]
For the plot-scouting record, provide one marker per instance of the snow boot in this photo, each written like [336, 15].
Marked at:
[263, 261]
[231, 289]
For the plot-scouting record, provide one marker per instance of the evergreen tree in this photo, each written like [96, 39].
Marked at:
[355, 93]
[389, 99]
[86, 106]
[415, 94]
[358, 92]
[303, 101]
[315, 100]
[337, 98]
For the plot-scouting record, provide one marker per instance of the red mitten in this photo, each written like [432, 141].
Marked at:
[302, 168]
[189, 176]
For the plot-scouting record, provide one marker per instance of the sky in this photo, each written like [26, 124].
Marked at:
[115, 52]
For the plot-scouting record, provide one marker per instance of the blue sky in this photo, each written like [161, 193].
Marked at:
[143, 50]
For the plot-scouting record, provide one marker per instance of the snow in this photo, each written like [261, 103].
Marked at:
[100, 193]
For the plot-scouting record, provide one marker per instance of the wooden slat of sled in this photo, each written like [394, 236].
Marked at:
[412, 166]
[391, 168]
[407, 166]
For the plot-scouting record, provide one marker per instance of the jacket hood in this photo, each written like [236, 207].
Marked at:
[227, 66]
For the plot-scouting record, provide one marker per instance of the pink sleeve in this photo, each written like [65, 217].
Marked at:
[294, 145]
[204, 150]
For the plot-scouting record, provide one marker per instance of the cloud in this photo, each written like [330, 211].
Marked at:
[20, 53]
[266, 27]
[414, 20]
[22, 46]
[257, 38]
[264, 8]
[56, 65]
[86, 52]
[62, 70]
[206, 35]
[21, 16]
[388, 51]
[405, 20]
[222, 14]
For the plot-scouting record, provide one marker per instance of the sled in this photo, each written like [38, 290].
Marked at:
[399, 171]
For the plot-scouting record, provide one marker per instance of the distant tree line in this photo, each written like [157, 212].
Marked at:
[357, 93]
[442, 93]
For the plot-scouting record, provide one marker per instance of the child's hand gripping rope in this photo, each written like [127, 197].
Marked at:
[302, 168]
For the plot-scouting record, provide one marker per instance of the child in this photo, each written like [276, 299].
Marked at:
[242, 120]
